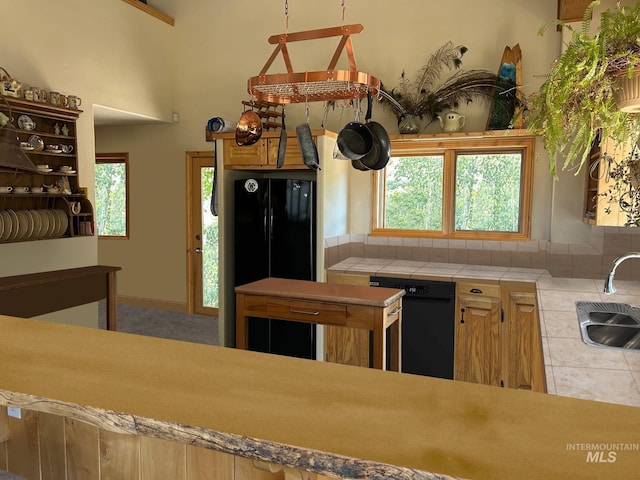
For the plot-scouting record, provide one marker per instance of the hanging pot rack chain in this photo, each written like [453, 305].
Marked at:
[329, 84]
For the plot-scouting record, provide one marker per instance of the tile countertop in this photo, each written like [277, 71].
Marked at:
[573, 369]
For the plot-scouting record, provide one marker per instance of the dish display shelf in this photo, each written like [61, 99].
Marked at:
[48, 137]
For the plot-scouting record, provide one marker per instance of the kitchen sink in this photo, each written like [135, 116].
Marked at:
[609, 325]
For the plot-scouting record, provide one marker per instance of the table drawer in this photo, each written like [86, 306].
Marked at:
[314, 312]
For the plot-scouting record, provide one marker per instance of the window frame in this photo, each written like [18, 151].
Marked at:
[121, 157]
[449, 147]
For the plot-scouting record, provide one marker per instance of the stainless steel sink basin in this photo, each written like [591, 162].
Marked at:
[609, 325]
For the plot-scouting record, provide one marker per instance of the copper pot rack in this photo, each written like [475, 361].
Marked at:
[329, 84]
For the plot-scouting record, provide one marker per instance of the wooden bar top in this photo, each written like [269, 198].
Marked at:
[334, 419]
[322, 292]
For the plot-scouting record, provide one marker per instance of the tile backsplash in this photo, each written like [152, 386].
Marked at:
[577, 260]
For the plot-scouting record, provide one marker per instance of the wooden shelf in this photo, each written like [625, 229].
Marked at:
[151, 11]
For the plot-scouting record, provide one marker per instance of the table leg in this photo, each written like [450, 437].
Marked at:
[379, 343]
[242, 339]
[112, 301]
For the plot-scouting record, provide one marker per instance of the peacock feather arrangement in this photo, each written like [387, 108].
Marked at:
[425, 98]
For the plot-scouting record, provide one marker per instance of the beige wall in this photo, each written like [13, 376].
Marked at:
[106, 52]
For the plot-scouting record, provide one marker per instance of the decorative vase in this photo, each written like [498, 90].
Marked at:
[408, 124]
[627, 94]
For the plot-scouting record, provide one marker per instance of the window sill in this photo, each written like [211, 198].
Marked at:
[151, 11]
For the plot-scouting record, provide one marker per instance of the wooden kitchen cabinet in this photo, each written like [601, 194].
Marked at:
[523, 365]
[498, 336]
[598, 210]
[40, 215]
[263, 155]
[478, 352]
[346, 345]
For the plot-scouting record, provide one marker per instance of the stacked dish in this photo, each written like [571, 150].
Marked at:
[19, 225]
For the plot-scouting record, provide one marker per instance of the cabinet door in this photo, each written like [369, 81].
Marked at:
[524, 366]
[477, 344]
[292, 154]
[349, 346]
[246, 156]
[598, 209]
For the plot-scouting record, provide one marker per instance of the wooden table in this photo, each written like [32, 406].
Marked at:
[35, 294]
[374, 309]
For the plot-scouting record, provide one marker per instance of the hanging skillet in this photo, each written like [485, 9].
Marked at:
[378, 158]
[307, 146]
[282, 145]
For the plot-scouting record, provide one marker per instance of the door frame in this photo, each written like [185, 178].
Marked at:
[194, 263]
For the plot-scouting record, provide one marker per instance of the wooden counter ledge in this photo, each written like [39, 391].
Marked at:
[332, 419]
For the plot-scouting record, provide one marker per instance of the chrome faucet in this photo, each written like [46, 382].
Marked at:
[608, 283]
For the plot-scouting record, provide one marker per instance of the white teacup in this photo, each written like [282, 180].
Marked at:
[37, 189]
[54, 190]
[42, 167]
[65, 168]
[6, 189]
[66, 149]
[21, 189]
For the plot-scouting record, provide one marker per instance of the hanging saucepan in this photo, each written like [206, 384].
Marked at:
[249, 129]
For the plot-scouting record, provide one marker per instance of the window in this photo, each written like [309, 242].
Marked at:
[112, 195]
[456, 188]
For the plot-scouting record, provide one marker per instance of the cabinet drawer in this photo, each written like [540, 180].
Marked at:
[483, 289]
[313, 312]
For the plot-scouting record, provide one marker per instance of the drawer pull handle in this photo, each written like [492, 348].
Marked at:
[475, 290]
[394, 312]
[293, 310]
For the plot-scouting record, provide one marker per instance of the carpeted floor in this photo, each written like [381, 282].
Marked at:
[164, 324]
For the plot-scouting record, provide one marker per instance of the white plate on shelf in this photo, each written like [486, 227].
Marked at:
[23, 225]
[67, 171]
[56, 224]
[37, 223]
[6, 223]
[14, 225]
[30, 222]
[64, 222]
[36, 142]
[49, 150]
[44, 224]
[26, 123]
[45, 170]
[52, 223]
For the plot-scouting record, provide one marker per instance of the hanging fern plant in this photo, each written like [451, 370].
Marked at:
[578, 97]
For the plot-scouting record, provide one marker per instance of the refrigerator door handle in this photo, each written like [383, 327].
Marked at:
[264, 224]
[271, 223]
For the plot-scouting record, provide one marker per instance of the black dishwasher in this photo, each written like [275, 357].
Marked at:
[428, 325]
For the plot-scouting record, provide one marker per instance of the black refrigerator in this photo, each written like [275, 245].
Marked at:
[275, 236]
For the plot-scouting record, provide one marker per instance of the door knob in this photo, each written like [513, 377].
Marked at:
[198, 250]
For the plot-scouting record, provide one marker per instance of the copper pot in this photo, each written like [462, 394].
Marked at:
[249, 129]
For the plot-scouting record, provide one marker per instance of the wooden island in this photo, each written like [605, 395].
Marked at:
[103, 404]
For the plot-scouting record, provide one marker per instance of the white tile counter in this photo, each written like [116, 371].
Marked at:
[573, 368]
